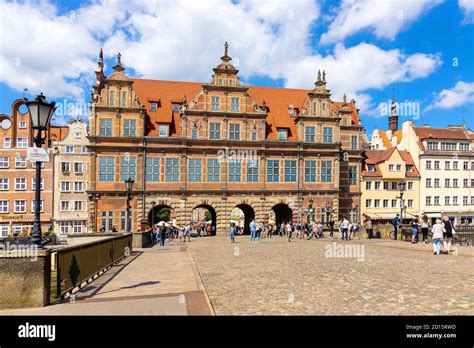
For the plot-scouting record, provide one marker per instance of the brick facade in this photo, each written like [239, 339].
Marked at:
[221, 145]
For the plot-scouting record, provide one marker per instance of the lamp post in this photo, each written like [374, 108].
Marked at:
[402, 188]
[153, 205]
[40, 112]
[128, 185]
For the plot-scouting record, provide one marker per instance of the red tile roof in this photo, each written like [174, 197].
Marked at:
[441, 133]
[376, 157]
[278, 101]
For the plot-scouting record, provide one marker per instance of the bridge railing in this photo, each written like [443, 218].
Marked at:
[464, 232]
[80, 263]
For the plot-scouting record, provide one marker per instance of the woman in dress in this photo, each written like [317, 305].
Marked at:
[448, 235]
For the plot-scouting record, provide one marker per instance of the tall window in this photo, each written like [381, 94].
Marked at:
[310, 171]
[20, 184]
[213, 170]
[3, 206]
[290, 171]
[112, 98]
[106, 168]
[352, 175]
[123, 220]
[309, 134]
[105, 127]
[129, 128]
[152, 169]
[214, 130]
[234, 171]
[20, 206]
[326, 171]
[124, 99]
[234, 104]
[7, 143]
[252, 170]
[4, 184]
[214, 103]
[354, 142]
[327, 135]
[172, 169]
[194, 133]
[313, 108]
[107, 220]
[195, 169]
[4, 162]
[273, 170]
[128, 168]
[234, 131]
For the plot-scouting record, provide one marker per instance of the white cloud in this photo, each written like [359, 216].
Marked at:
[183, 40]
[467, 7]
[462, 93]
[385, 18]
[361, 67]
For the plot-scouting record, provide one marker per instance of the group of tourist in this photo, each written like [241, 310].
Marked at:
[442, 233]
[161, 233]
[348, 230]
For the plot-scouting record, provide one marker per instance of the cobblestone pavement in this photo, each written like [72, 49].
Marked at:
[280, 278]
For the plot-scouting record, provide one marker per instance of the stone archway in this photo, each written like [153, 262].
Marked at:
[249, 215]
[161, 212]
[212, 213]
[283, 213]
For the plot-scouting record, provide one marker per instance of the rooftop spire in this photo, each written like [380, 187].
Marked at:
[324, 75]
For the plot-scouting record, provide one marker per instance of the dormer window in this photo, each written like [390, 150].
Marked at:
[176, 107]
[282, 134]
[153, 106]
[370, 168]
[409, 168]
[163, 130]
[292, 111]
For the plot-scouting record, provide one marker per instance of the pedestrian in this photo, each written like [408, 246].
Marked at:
[232, 233]
[289, 230]
[281, 232]
[396, 224]
[298, 230]
[314, 231]
[414, 228]
[369, 228]
[424, 228]
[270, 230]
[187, 233]
[345, 228]
[162, 234]
[330, 225]
[181, 234]
[355, 230]
[448, 235]
[258, 233]
[253, 231]
[340, 228]
[438, 232]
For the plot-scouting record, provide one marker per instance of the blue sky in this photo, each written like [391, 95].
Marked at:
[423, 50]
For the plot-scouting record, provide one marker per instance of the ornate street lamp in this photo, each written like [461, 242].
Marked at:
[128, 185]
[40, 112]
[402, 187]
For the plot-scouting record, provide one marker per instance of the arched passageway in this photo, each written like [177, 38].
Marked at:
[243, 214]
[282, 213]
[205, 215]
[161, 212]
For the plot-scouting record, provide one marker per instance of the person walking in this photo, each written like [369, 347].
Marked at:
[319, 230]
[298, 230]
[396, 223]
[258, 233]
[253, 231]
[187, 233]
[289, 230]
[340, 228]
[438, 232]
[270, 230]
[355, 230]
[281, 232]
[162, 234]
[232, 233]
[448, 235]
[414, 228]
[330, 225]
[345, 228]
[424, 228]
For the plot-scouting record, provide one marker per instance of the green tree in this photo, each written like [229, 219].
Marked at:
[163, 215]
[208, 215]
